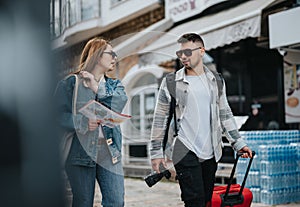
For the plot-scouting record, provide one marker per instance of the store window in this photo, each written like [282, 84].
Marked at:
[142, 104]
[64, 16]
[66, 13]
[55, 20]
[51, 19]
[89, 9]
[72, 12]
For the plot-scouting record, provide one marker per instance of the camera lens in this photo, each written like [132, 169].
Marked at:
[152, 179]
[167, 174]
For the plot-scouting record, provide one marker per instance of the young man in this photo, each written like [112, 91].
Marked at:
[202, 116]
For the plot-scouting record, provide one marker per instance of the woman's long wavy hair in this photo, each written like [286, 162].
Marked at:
[91, 54]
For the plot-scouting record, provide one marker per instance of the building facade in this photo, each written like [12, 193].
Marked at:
[73, 22]
[284, 38]
[237, 38]
[236, 35]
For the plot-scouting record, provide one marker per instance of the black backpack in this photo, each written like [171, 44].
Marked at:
[171, 86]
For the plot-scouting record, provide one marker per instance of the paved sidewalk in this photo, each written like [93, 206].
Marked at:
[163, 194]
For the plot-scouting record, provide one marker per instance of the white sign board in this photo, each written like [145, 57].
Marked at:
[284, 28]
[182, 9]
[292, 93]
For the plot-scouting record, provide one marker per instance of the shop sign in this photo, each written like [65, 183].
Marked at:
[292, 93]
[182, 9]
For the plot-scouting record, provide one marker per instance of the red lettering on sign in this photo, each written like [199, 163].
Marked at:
[193, 4]
[179, 9]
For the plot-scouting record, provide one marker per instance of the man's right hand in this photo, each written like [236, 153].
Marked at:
[156, 163]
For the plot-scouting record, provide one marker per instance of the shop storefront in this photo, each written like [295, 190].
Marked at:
[274, 177]
[284, 36]
[231, 40]
[231, 44]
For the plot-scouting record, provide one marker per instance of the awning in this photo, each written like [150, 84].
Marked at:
[129, 44]
[217, 30]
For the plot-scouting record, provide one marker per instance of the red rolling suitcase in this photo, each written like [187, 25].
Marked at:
[233, 194]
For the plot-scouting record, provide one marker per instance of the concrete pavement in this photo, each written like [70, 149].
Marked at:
[138, 194]
[163, 194]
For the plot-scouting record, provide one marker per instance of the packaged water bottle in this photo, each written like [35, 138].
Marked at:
[256, 195]
[263, 167]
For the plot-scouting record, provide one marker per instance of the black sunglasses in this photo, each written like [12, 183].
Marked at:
[112, 53]
[186, 52]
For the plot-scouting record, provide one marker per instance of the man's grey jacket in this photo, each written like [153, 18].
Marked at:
[222, 119]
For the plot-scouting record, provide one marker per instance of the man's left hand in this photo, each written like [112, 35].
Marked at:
[247, 152]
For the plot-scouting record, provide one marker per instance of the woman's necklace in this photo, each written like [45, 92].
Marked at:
[98, 81]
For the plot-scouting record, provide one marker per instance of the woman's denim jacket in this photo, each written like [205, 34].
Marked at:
[84, 146]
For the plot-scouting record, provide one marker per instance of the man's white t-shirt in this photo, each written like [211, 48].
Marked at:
[195, 129]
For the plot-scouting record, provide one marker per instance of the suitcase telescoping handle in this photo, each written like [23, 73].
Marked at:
[233, 171]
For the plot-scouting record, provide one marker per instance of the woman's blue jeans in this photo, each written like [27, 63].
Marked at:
[109, 176]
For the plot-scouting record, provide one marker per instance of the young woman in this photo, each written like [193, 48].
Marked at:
[95, 152]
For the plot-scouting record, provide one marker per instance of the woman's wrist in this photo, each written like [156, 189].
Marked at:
[94, 88]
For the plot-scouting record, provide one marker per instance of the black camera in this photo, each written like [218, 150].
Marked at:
[152, 179]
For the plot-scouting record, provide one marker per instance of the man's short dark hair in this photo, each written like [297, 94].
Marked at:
[190, 37]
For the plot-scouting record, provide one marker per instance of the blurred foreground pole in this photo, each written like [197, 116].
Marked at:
[29, 167]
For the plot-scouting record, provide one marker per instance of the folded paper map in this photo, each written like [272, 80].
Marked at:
[106, 116]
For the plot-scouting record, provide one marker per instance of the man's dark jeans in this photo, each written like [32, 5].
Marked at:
[196, 179]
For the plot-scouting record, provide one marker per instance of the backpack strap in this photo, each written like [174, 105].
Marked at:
[171, 86]
[220, 82]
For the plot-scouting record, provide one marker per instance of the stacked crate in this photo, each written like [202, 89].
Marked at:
[274, 177]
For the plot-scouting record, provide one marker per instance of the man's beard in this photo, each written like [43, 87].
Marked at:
[189, 67]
